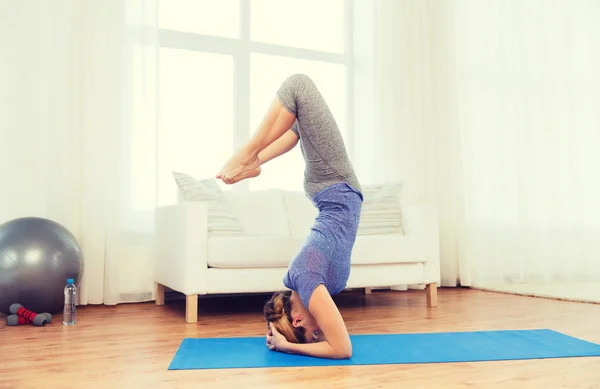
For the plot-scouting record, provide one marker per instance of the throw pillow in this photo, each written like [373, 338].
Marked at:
[222, 219]
[381, 210]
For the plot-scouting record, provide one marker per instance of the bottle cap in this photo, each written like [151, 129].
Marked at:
[70, 281]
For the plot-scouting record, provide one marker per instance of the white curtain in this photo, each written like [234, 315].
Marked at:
[489, 111]
[417, 134]
[78, 79]
[530, 119]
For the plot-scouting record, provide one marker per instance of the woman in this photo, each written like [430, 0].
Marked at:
[306, 320]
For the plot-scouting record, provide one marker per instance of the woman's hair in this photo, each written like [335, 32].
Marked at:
[278, 310]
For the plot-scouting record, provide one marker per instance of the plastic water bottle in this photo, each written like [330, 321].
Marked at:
[70, 303]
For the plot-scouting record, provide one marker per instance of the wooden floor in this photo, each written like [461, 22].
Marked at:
[131, 346]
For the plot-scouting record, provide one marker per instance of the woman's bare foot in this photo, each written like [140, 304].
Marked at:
[236, 166]
[247, 174]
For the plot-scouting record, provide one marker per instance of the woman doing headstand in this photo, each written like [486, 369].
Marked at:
[306, 320]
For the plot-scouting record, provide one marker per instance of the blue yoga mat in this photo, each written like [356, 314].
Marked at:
[251, 352]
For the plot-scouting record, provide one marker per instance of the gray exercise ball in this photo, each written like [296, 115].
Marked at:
[37, 257]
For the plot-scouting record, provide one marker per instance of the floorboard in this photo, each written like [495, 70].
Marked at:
[131, 345]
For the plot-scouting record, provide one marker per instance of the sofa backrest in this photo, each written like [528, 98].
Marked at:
[262, 213]
[273, 212]
[301, 212]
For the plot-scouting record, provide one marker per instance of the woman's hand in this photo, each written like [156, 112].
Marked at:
[275, 341]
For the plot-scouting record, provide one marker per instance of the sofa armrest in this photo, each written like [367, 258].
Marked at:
[422, 221]
[179, 247]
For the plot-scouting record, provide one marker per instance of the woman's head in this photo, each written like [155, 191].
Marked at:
[290, 318]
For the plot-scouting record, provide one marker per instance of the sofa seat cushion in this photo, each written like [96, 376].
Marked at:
[252, 251]
[265, 252]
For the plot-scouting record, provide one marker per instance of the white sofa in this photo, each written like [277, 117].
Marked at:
[190, 260]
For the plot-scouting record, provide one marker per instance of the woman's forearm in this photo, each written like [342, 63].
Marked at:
[280, 146]
[318, 350]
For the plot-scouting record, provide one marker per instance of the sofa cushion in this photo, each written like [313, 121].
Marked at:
[261, 213]
[249, 252]
[381, 209]
[252, 251]
[222, 219]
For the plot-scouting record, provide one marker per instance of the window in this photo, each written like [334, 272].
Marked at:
[220, 66]
[315, 25]
[208, 17]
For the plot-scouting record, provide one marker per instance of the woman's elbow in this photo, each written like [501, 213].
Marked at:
[344, 353]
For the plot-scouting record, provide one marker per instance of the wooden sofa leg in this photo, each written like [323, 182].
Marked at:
[191, 308]
[431, 292]
[160, 294]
